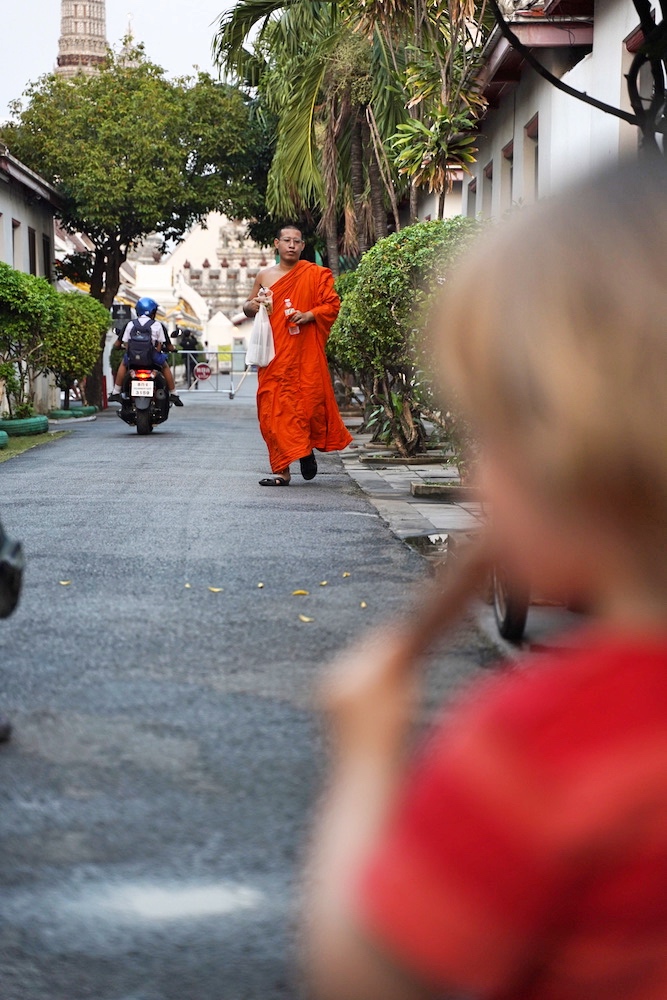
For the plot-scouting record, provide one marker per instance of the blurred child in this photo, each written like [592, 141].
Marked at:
[523, 854]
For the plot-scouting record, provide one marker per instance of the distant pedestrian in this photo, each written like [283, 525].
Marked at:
[295, 400]
[523, 854]
[189, 343]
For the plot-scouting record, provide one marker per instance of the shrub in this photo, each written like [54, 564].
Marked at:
[71, 349]
[30, 311]
[384, 308]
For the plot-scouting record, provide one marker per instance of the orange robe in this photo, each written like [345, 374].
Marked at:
[295, 399]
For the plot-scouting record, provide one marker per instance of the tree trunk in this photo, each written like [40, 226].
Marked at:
[330, 176]
[104, 285]
[378, 210]
[97, 276]
[441, 203]
[332, 245]
[357, 183]
[414, 204]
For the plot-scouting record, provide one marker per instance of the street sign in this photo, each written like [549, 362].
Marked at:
[121, 312]
[202, 371]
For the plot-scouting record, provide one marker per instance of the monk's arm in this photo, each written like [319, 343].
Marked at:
[251, 305]
[328, 303]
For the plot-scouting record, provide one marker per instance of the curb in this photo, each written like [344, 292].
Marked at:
[55, 422]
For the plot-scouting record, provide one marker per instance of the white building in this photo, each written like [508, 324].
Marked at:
[534, 138]
[208, 276]
[427, 208]
[27, 207]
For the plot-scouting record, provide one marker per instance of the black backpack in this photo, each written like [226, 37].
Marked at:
[140, 350]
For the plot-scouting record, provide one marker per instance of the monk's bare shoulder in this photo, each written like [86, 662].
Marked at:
[269, 275]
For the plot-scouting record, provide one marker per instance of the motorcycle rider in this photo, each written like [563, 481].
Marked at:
[146, 309]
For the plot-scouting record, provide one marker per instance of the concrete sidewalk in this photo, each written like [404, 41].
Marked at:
[387, 486]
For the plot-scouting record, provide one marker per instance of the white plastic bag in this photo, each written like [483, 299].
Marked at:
[261, 351]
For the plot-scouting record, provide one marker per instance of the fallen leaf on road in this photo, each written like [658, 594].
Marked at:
[304, 618]
[363, 605]
[300, 593]
[64, 583]
[324, 583]
[215, 590]
[346, 574]
[188, 586]
[259, 586]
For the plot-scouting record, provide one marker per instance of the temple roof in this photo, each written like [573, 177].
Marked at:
[552, 25]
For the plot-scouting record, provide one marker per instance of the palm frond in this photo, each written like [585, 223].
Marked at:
[295, 178]
[234, 28]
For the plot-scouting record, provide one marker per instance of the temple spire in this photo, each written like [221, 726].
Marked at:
[83, 37]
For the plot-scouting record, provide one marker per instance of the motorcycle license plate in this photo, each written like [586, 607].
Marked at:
[142, 388]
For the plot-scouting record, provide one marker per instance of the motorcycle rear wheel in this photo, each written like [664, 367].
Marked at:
[144, 425]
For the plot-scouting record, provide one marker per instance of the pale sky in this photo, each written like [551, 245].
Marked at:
[177, 35]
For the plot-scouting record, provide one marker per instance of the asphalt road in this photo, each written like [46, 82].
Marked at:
[166, 758]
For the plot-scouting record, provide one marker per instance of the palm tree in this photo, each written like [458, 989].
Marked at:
[365, 93]
[335, 94]
[438, 81]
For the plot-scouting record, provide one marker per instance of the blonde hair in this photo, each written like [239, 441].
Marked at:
[553, 333]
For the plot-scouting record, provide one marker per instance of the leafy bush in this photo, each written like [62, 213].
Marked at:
[384, 308]
[71, 350]
[30, 311]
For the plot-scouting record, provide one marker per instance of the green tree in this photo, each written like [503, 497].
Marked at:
[30, 311]
[71, 350]
[377, 335]
[132, 153]
[333, 94]
[371, 99]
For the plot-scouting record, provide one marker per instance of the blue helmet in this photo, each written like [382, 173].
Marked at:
[146, 307]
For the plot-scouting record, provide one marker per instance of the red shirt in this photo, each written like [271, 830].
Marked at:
[527, 856]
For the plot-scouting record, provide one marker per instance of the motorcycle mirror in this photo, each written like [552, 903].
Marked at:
[11, 573]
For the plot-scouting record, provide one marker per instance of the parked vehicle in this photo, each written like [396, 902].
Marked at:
[145, 399]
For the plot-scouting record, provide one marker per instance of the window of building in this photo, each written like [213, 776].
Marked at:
[47, 258]
[487, 190]
[531, 161]
[507, 176]
[472, 199]
[32, 251]
[16, 243]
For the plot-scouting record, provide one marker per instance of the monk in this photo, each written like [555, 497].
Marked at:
[295, 399]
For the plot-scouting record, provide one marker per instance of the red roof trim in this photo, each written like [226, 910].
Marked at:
[634, 40]
[503, 64]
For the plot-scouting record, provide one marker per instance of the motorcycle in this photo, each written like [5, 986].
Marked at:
[145, 400]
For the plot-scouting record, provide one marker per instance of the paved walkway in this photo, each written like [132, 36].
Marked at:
[387, 485]
[166, 758]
